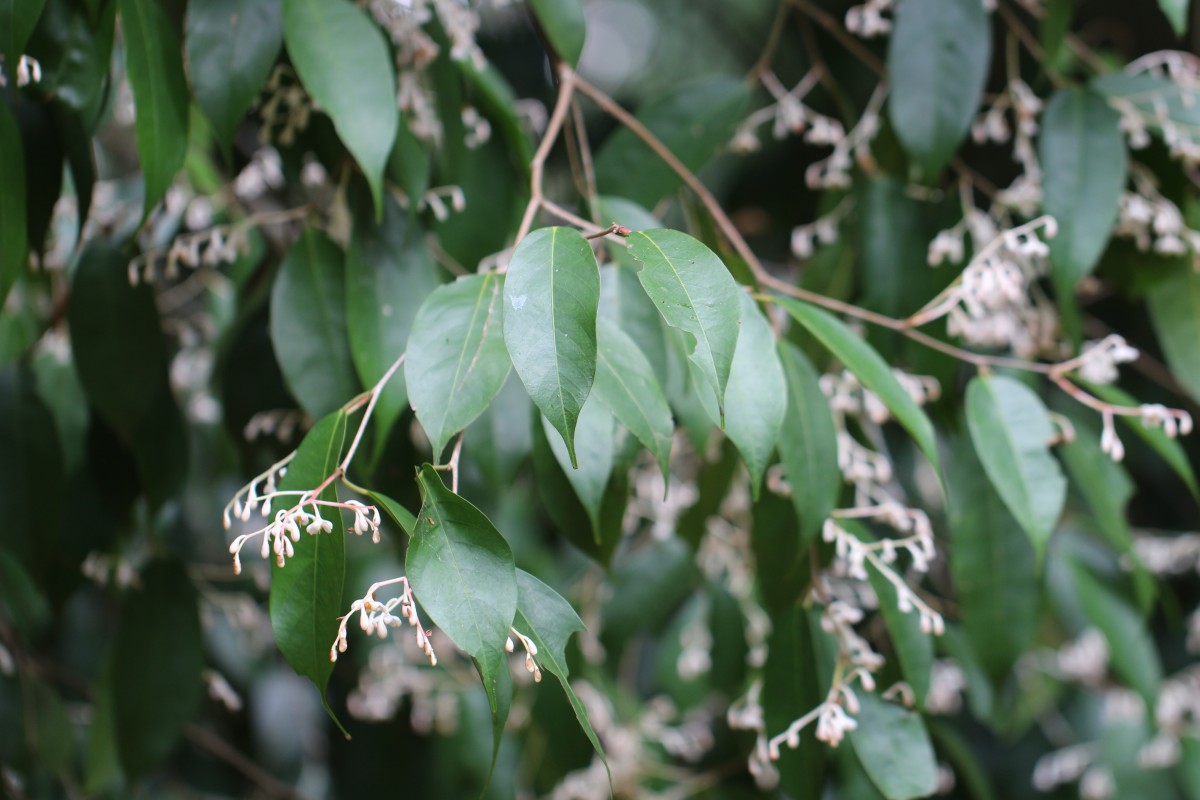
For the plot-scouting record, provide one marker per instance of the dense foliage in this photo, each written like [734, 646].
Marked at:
[688, 398]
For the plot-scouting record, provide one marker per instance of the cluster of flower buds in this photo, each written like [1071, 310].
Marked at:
[833, 716]
[823, 230]
[375, 617]
[1166, 107]
[833, 172]
[287, 108]
[433, 200]
[1152, 221]
[531, 650]
[789, 116]
[223, 244]
[28, 71]
[868, 20]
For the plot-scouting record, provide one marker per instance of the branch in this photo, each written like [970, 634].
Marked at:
[537, 167]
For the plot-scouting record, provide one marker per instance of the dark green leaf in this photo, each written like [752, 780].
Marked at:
[23, 604]
[808, 444]
[41, 143]
[1103, 483]
[231, 46]
[1082, 153]
[782, 575]
[549, 620]
[623, 300]
[596, 450]
[31, 471]
[456, 361]
[388, 273]
[1174, 304]
[77, 145]
[551, 295]
[462, 572]
[51, 732]
[18, 18]
[158, 653]
[346, 65]
[625, 383]
[938, 60]
[1177, 12]
[14, 244]
[308, 325]
[993, 565]
[502, 437]
[306, 592]
[1055, 25]
[1170, 449]
[894, 749]
[154, 64]
[115, 336]
[695, 293]
[694, 120]
[1132, 651]
[84, 44]
[756, 398]
[400, 515]
[914, 647]
[1189, 766]
[564, 25]
[790, 689]
[102, 769]
[867, 365]
[1011, 432]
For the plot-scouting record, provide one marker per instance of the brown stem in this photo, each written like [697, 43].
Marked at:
[537, 167]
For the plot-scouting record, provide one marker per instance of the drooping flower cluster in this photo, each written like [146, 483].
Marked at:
[790, 116]
[28, 71]
[375, 617]
[1164, 105]
[1152, 221]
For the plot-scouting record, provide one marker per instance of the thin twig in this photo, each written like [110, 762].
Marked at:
[773, 36]
[537, 167]
[585, 159]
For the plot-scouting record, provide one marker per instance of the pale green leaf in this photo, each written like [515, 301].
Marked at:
[231, 47]
[993, 565]
[1176, 11]
[694, 120]
[894, 748]
[1011, 431]
[158, 653]
[1132, 652]
[1174, 304]
[549, 620]
[551, 295]
[938, 59]
[462, 572]
[869, 367]
[456, 361]
[154, 64]
[626, 384]
[596, 450]
[623, 300]
[306, 593]
[695, 293]
[14, 243]
[1083, 159]
[346, 65]
[808, 444]
[564, 24]
[308, 325]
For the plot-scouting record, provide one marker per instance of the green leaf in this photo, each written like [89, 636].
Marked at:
[400, 515]
[993, 565]
[154, 65]
[695, 293]
[346, 65]
[1169, 449]
[894, 748]
[1177, 12]
[50, 729]
[624, 301]
[80, 78]
[77, 144]
[231, 47]
[1082, 153]
[23, 604]
[308, 325]
[549, 620]
[867, 365]
[306, 592]
[693, 121]
[1011, 432]
[564, 25]
[116, 339]
[18, 18]
[14, 244]
[43, 167]
[551, 295]
[1103, 483]
[158, 654]
[1157, 99]
[31, 473]
[1174, 305]
[1131, 650]
[914, 648]
[808, 444]
[1055, 25]
[790, 688]
[389, 271]
[456, 361]
[462, 572]
[938, 60]
[756, 398]
[626, 384]
[1189, 766]
[596, 450]
[502, 437]
[102, 765]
